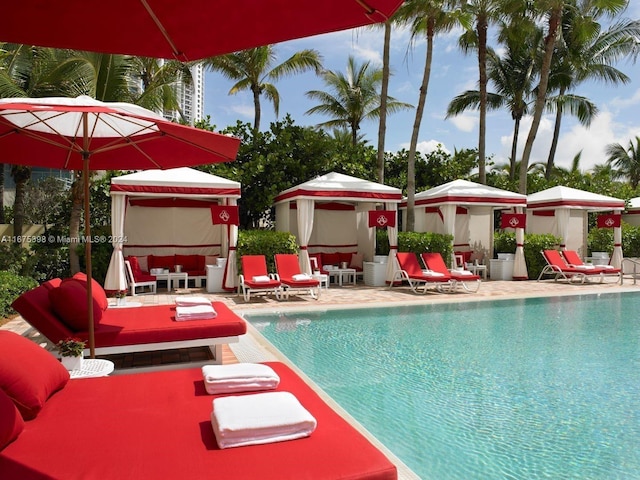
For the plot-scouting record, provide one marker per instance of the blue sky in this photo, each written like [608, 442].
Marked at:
[452, 73]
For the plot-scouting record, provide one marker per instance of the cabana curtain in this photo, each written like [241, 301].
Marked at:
[116, 279]
[392, 233]
[305, 226]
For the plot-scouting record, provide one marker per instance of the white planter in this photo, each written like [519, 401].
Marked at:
[72, 363]
[380, 258]
[121, 301]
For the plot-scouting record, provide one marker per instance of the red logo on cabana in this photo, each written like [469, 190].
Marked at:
[382, 218]
[224, 215]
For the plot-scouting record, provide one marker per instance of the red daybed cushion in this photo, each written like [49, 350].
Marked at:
[157, 426]
[97, 292]
[11, 422]
[162, 261]
[331, 258]
[29, 374]
[69, 302]
[188, 262]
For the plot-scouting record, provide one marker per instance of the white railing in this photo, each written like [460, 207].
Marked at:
[636, 269]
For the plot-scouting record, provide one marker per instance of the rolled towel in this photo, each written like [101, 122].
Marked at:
[301, 277]
[261, 279]
[239, 377]
[260, 418]
[195, 312]
[431, 273]
[583, 267]
[190, 301]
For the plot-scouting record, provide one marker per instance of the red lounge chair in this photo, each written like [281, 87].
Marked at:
[254, 266]
[557, 267]
[434, 262]
[142, 329]
[157, 425]
[287, 265]
[574, 261]
[411, 271]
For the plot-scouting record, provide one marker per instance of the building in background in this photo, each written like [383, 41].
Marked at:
[191, 98]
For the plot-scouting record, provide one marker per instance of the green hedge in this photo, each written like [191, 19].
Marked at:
[416, 242]
[11, 287]
[601, 240]
[505, 242]
[265, 242]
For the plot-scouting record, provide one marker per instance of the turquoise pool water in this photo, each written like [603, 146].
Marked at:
[515, 389]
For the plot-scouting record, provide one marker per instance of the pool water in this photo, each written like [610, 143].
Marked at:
[510, 389]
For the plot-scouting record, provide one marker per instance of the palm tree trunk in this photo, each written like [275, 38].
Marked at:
[554, 141]
[2, 218]
[21, 176]
[482, 27]
[514, 150]
[258, 112]
[411, 161]
[384, 89]
[555, 18]
[77, 198]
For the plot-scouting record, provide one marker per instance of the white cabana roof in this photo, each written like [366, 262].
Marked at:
[634, 204]
[339, 187]
[465, 193]
[566, 197]
[180, 182]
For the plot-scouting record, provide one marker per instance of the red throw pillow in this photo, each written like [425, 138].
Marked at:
[11, 422]
[345, 257]
[330, 259]
[357, 260]
[188, 262]
[69, 302]
[200, 265]
[29, 374]
[162, 261]
[97, 292]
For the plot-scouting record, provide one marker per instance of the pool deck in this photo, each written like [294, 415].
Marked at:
[254, 348]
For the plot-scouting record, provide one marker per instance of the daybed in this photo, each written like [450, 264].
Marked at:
[353, 260]
[120, 330]
[157, 426]
[193, 265]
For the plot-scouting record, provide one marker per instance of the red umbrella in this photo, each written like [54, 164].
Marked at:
[185, 30]
[85, 134]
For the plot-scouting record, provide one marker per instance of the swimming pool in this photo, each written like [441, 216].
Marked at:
[509, 389]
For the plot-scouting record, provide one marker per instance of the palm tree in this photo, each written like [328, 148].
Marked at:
[586, 53]
[255, 70]
[553, 11]
[353, 97]
[384, 92]
[427, 18]
[626, 161]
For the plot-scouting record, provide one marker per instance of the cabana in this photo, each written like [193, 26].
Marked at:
[562, 211]
[168, 212]
[465, 210]
[330, 214]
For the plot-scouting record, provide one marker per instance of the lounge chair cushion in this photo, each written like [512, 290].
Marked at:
[29, 374]
[11, 422]
[97, 292]
[69, 302]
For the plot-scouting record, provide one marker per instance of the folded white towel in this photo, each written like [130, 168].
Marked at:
[260, 418]
[190, 301]
[238, 377]
[261, 278]
[431, 273]
[195, 312]
[583, 267]
[300, 277]
[463, 273]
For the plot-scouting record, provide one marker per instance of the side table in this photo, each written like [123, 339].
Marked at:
[322, 278]
[93, 367]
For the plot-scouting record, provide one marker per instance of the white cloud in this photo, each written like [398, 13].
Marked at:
[427, 146]
[465, 122]
[244, 110]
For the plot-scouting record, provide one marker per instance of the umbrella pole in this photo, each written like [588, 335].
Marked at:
[87, 233]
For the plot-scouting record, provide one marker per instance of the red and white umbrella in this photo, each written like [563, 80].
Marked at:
[86, 134]
[185, 30]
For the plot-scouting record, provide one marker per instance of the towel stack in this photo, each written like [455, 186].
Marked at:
[239, 377]
[260, 418]
[194, 308]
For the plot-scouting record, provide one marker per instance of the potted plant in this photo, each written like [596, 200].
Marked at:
[71, 350]
[121, 297]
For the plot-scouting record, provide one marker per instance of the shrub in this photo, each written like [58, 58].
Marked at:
[601, 240]
[420, 242]
[503, 242]
[265, 242]
[533, 245]
[11, 287]
[16, 259]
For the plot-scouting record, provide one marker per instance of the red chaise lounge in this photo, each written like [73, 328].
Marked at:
[288, 268]
[157, 425]
[411, 271]
[434, 262]
[120, 330]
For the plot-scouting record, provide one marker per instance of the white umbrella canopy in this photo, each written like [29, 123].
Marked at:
[85, 134]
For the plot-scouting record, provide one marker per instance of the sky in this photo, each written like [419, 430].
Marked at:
[452, 73]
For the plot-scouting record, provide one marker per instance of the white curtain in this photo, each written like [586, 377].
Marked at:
[562, 217]
[116, 278]
[616, 258]
[520, 265]
[449, 220]
[392, 233]
[231, 271]
[305, 227]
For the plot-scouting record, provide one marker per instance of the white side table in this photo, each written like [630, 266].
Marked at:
[93, 367]
[323, 278]
[344, 273]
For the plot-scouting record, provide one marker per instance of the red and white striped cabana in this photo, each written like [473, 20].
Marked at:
[166, 212]
[465, 210]
[562, 211]
[330, 214]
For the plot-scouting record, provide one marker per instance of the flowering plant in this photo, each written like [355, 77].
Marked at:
[121, 293]
[71, 347]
